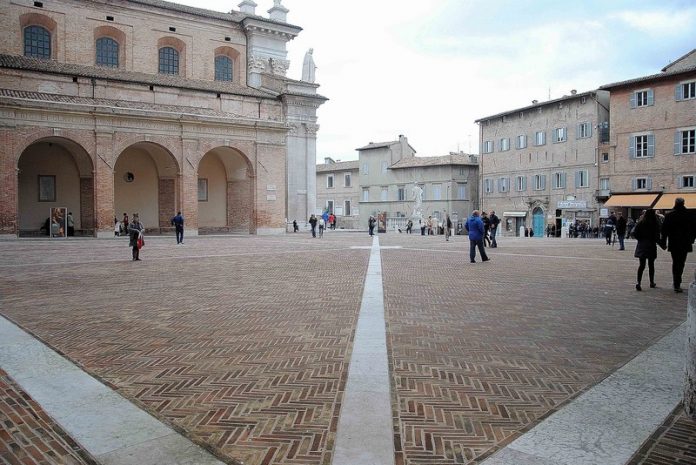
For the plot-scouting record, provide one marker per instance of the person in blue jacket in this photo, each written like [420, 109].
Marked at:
[476, 231]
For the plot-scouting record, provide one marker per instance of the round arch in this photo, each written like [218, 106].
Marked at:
[225, 192]
[54, 172]
[146, 178]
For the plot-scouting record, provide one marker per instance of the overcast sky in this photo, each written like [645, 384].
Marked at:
[428, 69]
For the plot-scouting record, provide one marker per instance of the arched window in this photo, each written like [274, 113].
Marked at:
[168, 61]
[107, 52]
[223, 68]
[37, 42]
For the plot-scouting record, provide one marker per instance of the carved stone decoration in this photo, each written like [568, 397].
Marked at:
[279, 67]
[257, 64]
[311, 129]
[308, 67]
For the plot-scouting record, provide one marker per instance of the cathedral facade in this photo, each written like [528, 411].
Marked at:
[145, 106]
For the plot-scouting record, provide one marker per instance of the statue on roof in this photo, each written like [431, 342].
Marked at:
[308, 66]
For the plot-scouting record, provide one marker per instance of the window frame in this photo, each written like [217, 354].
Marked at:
[683, 184]
[560, 135]
[488, 185]
[520, 183]
[365, 194]
[221, 75]
[164, 61]
[559, 180]
[583, 179]
[47, 187]
[504, 144]
[384, 194]
[488, 146]
[112, 60]
[347, 210]
[521, 141]
[347, 180]
[202, 189]
[641, 180]
[44, 46]
[401, 193]
[330, 181]
[539, 135]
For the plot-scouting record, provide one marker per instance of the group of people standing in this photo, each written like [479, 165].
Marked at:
[325, 221]
[676, 233]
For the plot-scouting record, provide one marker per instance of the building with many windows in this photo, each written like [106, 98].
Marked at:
[539, 163]
[338, 193]
[388, 177]
[651, 157]
[152, 107]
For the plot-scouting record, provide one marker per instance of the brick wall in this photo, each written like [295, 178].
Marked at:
[86, 203]
[167, 201]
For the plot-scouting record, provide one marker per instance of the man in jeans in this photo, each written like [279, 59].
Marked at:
[178, 222]
[475, 227]
[495, 221]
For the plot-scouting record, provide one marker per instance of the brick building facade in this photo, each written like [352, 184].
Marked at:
[152, 107]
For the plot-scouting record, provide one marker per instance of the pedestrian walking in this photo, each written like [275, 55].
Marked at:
[71, 224]
[135, 233]
[647, 233]
[313, 224]
[486, 229]
[422, 227]
[475, 227]
[621, 230]
[371, 225]
[178, 223]
[609, 228]
[495, 221]
[295, 228]
[322, 225]
[678, 235]
[448, 226]
[409, 226]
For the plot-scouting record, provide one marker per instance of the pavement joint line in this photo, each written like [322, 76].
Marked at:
[364, 434]
[609, 422]
[105, 424]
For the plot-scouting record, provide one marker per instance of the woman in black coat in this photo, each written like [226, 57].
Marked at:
[647, 233]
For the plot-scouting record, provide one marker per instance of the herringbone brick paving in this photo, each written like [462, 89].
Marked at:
[674, 443]
[28, 436]
[243, 342]
[480, 352]
[244, 348]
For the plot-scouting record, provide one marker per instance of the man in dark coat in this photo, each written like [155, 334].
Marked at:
[495, 221]
[621, 230]
[476, 233]
[678, 232]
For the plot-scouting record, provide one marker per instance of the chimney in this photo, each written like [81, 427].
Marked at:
[573, 92]
[248, 7]
[328, 161]
[278, 12]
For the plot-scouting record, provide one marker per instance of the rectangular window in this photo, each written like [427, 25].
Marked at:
[202, 190]
[47, 188]
[346, 180]
[437, 191]
[521, 142]
[688, 90]
[685, 141]
[641, 183]
[582, 178]
[385, 166]
[488, 185]
[539, 182]
[504, 185]
[330, 206]
[329, 181]
[346, 208]
[539, 138]
[488, 146]
[560, 134]
[641, 146]
[687, 181]
[401, 193]
[462, 171]
[365, 170]
[642, 98]
[605, 157]
[461, 191]
[584, 130]
[559, 181]
[366, 194]
[521, 183]
[504, 144]
[385, 194]
[604, 184]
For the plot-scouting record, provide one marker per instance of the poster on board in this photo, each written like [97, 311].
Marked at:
[58, 216]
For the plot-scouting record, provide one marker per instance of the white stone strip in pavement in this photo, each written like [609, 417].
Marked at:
[364, 435]
[607, 424]
[109, 427]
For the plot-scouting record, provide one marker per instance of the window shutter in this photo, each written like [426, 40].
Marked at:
[651, 145]
[631, 147]
[578, 131]
[577, 179]
[524, 183]
[564, 133]
[677, 142]
[498, 183]
[543, 182]
[589, 129]
[649, 184]
[634, 184]
[680, 181]
[679, 92]
[632, 100]
[651, 97]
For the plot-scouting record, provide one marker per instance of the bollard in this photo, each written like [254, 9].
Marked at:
[690, 379]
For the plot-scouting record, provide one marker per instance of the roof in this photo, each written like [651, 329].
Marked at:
[451, 159]
[111, 74]
[109, 105]
[539, 104]
[683, 65]
[378, 145]
[235, 16]
[338, 166]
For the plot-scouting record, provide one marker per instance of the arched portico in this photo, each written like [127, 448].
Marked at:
[146, 182]
[54, 172]
[225, 192]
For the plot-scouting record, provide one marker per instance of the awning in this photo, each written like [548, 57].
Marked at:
[517, 214]
[631, 200]
[666, 202]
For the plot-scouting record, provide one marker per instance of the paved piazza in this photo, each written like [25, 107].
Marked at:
[243, 344]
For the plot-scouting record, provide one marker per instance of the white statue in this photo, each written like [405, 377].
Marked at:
[418, 199]
[308, 67]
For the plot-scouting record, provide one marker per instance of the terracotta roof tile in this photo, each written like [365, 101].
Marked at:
[338, 166]
[451, 159]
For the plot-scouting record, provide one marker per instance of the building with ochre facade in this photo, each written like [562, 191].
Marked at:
[149, 107]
